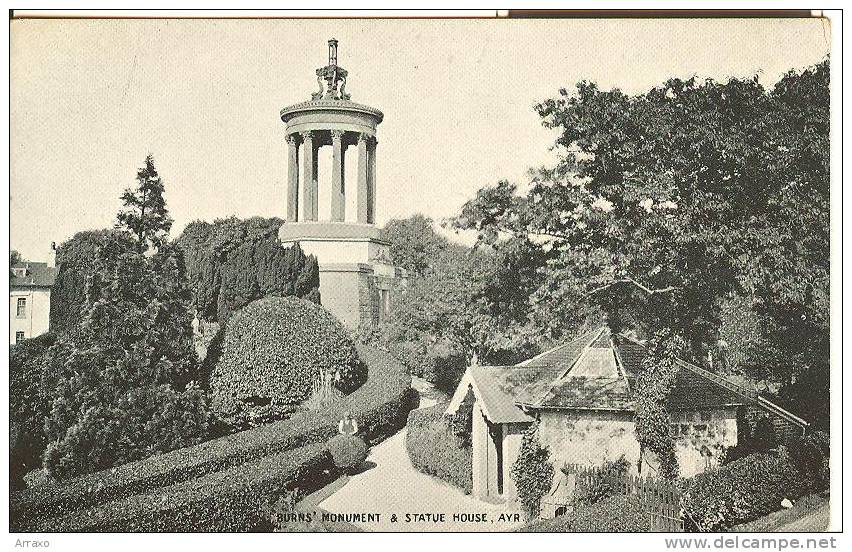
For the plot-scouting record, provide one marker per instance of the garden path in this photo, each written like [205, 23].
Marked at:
[393, 486]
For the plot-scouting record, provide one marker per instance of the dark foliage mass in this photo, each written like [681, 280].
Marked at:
[232, 262]
[121, 383]
[435, 449]
[602, 483]
[275, 351]
[532, 472]
[614, 514]
[74, 260]
[234, 500]
[460, 303]
[28, 405]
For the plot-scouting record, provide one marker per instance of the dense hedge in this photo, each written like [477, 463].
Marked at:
[28, 405]
[228, 501]
[274, 350]
[347, 451]
[232, 262]
[435, 450]
[742, 491]
[615, 514]
[381, 406]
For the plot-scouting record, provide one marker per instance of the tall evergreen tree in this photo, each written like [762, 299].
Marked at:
[145, 214]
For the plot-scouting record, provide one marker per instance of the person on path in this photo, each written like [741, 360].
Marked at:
[348, 425]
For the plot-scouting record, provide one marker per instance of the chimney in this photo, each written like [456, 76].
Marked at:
[51, 256]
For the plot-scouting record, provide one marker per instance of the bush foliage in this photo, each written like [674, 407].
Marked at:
[435, 449]
[532, 471]
[603, 483]
[232, 262]
[74, 259]
[28, 404]
[381, 407]
[273, 352]
[347, 451]
[743, 490]
[614, 514]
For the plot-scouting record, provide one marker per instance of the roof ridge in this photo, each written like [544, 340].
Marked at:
[706, 374]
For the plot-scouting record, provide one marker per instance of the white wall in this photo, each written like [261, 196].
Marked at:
[590, 438]
[37, 319]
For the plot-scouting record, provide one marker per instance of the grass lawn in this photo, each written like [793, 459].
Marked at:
[808, 514]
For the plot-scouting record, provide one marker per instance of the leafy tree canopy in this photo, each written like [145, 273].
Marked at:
[664, 204]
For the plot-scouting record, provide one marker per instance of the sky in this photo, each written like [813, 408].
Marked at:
[91, 98]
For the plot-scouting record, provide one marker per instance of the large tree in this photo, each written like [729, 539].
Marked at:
[663, 204]
[144, 213]
[231, 262]
[121, 385]
[414, 244]
[74, 260]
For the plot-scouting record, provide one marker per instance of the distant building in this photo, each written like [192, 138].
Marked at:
[358, 281]
[29, 297]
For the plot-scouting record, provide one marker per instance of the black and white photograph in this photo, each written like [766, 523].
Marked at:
[559, 272]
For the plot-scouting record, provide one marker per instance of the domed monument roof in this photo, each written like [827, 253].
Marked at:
[330, 107]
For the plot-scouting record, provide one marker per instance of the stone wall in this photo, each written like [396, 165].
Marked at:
[588, 438]
[702, 437]
[591, 438]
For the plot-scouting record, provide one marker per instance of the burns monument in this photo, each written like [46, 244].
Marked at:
[357, 278]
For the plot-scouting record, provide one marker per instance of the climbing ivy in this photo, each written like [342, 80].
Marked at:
[532, 471]
[653, 385]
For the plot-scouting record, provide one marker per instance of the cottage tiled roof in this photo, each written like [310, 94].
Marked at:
[595, 371]
[34, 275]
[499, 397]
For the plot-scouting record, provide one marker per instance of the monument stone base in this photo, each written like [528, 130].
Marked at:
[358, 282]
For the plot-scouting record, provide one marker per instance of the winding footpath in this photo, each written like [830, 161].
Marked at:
[394, 487]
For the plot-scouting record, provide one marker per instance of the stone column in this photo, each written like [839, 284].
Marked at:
[371, 183]
[363, 178]
[338, 185]
[292, 178]
[309, 177]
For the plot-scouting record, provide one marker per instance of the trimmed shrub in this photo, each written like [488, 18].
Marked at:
[435, 449]
[28, 404]
[227, 501]
[273, 352]
[347, 451]
[532, 471]
[614, 514]
[381, 406]
[742, 491]
[602, 483]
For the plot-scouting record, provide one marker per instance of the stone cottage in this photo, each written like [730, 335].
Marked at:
[582, 394]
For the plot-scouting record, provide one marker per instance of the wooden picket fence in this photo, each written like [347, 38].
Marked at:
[659, 498]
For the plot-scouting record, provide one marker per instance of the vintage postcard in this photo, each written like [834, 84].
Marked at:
[561, 274]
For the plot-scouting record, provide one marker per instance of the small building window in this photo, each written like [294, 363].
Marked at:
[22, 307]
[19, 336]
